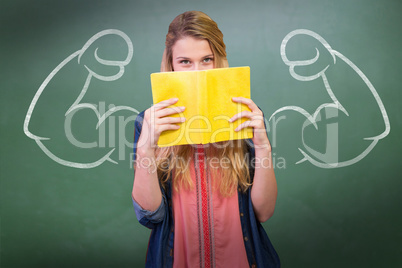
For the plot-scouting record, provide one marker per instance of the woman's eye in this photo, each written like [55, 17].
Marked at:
[185, 62]
[208, 60]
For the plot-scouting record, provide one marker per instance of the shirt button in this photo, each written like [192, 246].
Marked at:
[245, 238]
[253, 266]
[241, 214]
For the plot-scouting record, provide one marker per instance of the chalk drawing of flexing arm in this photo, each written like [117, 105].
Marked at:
[311, 119]
[77, 105]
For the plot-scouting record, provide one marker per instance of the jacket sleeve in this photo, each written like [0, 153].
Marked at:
[137, 132]
[150, 218]
[146, 217]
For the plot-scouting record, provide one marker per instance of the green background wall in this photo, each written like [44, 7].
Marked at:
[53, 215]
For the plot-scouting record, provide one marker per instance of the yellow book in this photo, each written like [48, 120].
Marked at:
[207, 96]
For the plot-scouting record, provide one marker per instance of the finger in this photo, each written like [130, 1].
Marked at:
[253, 107]
[245, 125]
[171, 120]
[169, 111]
[246, 114]
[165, 127]
[165, 103]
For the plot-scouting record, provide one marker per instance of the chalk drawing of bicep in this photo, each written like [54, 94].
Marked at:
[328, 159]
[77, 103]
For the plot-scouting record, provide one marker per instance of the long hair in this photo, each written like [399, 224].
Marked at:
[172, 162]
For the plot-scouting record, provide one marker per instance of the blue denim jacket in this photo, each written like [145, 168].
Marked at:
[260, 252]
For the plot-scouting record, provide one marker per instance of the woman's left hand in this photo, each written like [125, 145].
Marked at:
[256, 121]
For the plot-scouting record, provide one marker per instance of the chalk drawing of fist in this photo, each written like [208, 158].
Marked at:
[306, 70]
[71, 101]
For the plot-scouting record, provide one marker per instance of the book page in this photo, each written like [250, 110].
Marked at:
[181, 85]
[222, 85]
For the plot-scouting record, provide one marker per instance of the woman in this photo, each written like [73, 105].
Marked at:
[201, 213]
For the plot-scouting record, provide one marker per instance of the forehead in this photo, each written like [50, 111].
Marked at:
[191, 47]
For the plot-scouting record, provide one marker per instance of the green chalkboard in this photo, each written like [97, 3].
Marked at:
[74, 75]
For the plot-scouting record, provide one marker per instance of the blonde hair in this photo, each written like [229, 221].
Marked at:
[200, 26]
[172, 161]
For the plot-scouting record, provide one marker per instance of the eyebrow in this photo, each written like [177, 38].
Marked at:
[186, 58]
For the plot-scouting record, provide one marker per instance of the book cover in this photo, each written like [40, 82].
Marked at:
[207, 96]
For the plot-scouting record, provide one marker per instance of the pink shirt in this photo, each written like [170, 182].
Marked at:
[207, 225]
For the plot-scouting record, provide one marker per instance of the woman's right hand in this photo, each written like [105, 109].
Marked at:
[157, 119]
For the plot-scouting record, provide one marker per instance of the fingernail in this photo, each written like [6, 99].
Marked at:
[182, 108]
[175, 99]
